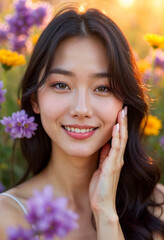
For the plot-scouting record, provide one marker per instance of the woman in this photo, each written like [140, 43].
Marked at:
[84, 89]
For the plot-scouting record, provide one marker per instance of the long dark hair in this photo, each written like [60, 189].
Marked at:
[140, 173]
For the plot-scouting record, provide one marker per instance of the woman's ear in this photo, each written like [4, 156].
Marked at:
[34, 103]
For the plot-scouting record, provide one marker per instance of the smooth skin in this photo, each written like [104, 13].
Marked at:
[72, 169]
[103, 185]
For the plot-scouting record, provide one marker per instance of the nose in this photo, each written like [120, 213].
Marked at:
[81, 107]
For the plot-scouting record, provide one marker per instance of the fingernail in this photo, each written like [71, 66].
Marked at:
[118, 127]
[123, 113]
[126, 110]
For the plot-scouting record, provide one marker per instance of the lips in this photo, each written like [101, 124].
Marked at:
[79, 135]
[80, 126]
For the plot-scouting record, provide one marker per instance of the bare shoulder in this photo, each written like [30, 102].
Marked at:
[158, 196]
[10, 215]
[160, 187]
[158, 193]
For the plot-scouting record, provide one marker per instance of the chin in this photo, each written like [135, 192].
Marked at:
[79, 152]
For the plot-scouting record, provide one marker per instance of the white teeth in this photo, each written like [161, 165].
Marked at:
[77, 130]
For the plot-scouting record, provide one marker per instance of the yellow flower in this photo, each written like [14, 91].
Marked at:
[162, 46]
[155, 40]
[153, 125]
[143, 65]
[10, 59]
[35, 38]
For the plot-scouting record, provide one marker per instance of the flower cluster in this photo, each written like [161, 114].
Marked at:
[19, 125]
[19, 24]
[155, 40]
[49, 217]
[19, 234]
[153, 125]
[9, 59]
[21, 21]
[2, 92]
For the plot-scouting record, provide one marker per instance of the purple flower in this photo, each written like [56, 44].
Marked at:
[159, 60]
[161, 141]
[25, 17]
[19, 24]
[49, 215]
[21, 21]
[20, 233]
[38, 15]
[22, 5]
[158, 74]
[7, 121]
[3, 34]
[18, 44]
[2, 92]
[42, 14]
[2, 188]
[19, 125]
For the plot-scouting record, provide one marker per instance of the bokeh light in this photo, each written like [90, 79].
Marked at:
[82, 7]
[126, 3]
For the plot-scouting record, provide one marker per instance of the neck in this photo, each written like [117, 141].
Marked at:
[71, 175]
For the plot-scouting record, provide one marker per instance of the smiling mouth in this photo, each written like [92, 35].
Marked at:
[77, 130]
[79, 134]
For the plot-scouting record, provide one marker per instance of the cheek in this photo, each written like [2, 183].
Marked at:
[108, 110]
[52, 107]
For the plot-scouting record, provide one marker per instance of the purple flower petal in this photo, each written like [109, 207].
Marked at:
[2, 92]
[3, 34]
[50, 216]
[20, 233]
[19, 125]
[159, 60]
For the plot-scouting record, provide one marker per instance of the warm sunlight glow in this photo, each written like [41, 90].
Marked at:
[104, 12]
[158, 4]
[82, 8]
[126, 3]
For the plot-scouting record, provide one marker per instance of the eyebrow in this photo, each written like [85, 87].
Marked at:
[71, 74]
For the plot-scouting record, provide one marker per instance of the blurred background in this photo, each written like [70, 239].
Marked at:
[136, 18]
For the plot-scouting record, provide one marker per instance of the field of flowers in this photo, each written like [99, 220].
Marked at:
[19, 32]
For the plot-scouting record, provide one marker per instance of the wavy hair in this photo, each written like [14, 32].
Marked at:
[140, 173]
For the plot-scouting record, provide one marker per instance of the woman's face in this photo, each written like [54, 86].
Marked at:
[77, 92]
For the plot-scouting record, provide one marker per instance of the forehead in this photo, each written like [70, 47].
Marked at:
[77, 52]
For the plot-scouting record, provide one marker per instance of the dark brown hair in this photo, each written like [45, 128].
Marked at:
[140, 173]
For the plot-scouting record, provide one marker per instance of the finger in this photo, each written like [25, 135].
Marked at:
[104, 153]
[111, 163]
[122, 118]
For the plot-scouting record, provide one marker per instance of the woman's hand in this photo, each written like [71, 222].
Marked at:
[104, 182]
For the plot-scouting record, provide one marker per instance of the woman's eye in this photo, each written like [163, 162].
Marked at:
[63, 86]
[60, 86]
[103, 89]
